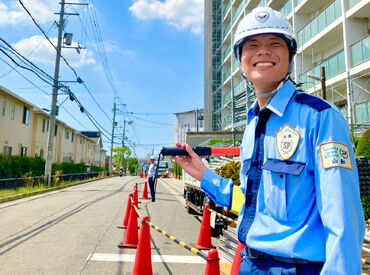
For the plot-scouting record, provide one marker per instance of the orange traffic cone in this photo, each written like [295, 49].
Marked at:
[143, 258]
[127, 214]
[213, 263]
[136, 199]
[204, 238]
[131, 236]
[145, 191]
[141, 175]
[237, 259]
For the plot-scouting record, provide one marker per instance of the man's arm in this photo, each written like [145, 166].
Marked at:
[337, 193]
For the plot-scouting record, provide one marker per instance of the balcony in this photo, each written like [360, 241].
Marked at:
[226, 52]
[238, 12]
[287, 8]
[226, 98]
[227, 74]
[227, 29]
[334, 65]
[319, 23]
[239, 88]
[360, 51]
[227, 8]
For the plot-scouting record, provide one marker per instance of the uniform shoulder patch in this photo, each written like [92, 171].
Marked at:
[335, 154]
[317, 103]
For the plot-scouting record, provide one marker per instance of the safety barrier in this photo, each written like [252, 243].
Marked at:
[142, 263]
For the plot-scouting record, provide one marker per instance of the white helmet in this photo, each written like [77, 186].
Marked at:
[152, 157]
[264, 20]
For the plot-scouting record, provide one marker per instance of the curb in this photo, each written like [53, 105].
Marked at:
[25, 195]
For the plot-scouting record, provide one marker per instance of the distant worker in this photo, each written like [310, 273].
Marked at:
[302, 212]
[151, 174]
[146, 168]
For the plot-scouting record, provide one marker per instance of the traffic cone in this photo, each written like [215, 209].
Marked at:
[143, 258]
[131, 236]
[237, 259]
[213, 263]
[136, 199]
[204, 238]
[141, 175]
[145, 192]
[127, 213]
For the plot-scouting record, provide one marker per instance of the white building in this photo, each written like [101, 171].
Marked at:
[330, 34]
[190, 121]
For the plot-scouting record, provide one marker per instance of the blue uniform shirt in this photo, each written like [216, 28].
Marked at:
[299, 174]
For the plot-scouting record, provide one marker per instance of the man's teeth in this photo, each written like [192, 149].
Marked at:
[264, 64]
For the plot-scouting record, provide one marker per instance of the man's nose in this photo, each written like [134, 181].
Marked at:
[262, 50]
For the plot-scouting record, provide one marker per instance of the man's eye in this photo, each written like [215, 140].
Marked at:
[276, 44]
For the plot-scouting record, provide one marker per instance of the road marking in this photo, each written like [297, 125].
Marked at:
[155, 258]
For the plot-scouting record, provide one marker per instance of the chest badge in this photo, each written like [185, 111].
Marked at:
[287, 140]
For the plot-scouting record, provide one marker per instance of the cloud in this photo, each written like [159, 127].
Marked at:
[14, 14]
[182, 14]
[38, 49]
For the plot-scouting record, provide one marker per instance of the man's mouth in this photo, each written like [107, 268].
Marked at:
[264, 64]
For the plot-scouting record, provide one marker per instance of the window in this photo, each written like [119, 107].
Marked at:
[4, 108]
[56, 130]
[26, 115]
[13, 111]
[72, 136]
[67, 134]
[361, 112]
[7, 150]
[343, 110]
[43, 125]
[47, 127]
[42, 153]
[23, 151]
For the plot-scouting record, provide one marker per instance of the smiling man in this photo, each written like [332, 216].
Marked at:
[302, 212]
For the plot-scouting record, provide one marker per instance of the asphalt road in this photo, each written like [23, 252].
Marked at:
[74, 231]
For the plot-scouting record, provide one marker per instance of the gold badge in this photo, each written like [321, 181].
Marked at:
[335, 154]
[287, 140]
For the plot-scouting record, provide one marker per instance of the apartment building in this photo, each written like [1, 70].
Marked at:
[190, 121]
[333, 34]
[24, 130]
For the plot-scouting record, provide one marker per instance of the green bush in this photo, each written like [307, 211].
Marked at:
[363, 146]
[366, 207]
[69, 168]
[16, 166]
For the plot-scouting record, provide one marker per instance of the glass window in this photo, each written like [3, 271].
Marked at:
[356, 54]
[341, 62]
[4, 108]
[26, 115]
[351, 3]
[7, 150]
[333, 67]
[366, 48]
[42, 153]
[337, 9]
[360, 113]
[314, 27]
[343, 110]
[13, 111]
[56, 130]
[321, 21]
[329, 12]
[368, 111]
[23, 151]
[43, 125]
[72, 137]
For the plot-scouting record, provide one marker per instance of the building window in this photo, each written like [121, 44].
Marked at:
[7, 150]
[23, 151]
[43, 125]
[47, 126]
[72, 137]
[361, 112]
[67, 134]
[26, 115]
[56, 130]
[4, 108]
[13, 111]
[42, 153]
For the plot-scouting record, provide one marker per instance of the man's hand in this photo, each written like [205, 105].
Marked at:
[192, 164]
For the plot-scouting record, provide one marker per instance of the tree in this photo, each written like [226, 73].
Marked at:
[363, 146]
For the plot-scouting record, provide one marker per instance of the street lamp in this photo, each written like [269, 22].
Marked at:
[322, 79]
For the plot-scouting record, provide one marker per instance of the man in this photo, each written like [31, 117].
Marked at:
[151, 177]
[302, 212]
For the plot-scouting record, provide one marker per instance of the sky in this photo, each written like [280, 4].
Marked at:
[146, 55]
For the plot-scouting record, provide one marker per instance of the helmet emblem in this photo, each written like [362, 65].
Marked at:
[262, 16]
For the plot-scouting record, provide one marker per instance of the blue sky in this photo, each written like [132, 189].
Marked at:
[154, 51]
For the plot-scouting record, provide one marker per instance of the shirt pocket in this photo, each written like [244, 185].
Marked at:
[275, 181]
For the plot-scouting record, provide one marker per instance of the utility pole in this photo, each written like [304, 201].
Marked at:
[111, 144]
[49, 157]
[123, 142]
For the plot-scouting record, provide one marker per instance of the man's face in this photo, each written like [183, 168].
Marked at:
[151, 160]
[265, 61]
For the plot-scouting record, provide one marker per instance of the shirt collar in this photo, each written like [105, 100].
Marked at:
[278, 103]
